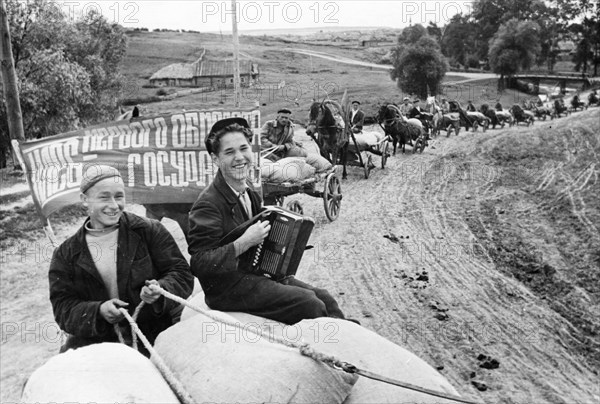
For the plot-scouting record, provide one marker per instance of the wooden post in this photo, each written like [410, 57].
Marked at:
[9, 83]
[236, 60]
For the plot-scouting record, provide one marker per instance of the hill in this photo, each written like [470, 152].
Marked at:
[305, 77]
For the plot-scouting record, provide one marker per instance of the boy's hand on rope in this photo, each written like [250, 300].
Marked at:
[110, 310]
[150, 295]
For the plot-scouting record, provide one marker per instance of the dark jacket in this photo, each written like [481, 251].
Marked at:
[146, 250]
[215, 213]
[359, 120]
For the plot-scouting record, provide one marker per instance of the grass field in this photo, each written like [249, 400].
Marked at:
[306, 78]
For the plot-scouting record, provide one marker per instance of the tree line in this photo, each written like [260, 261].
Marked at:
[68, 71]
[503, 36]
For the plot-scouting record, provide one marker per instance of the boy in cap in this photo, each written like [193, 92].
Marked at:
[223, 267]
[357, 119]
[280, 133]
[109, 263]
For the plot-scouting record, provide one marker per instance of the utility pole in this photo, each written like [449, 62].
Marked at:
[9, 78]
[236, 60]
[9, 82]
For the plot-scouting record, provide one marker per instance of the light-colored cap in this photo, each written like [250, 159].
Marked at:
[96, 173]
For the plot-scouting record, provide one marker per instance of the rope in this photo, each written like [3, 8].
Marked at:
[119, 333]
[306, 350]
[175, 384]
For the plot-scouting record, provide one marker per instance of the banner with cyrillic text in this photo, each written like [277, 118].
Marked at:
[162, 158]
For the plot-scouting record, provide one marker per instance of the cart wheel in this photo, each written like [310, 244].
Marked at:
[384, 153]
[295, 206]
[368, 165]
[419, 145]
[332, 197]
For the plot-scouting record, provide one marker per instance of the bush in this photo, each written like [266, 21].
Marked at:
[473, 62]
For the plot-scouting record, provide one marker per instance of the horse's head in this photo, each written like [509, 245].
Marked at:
[313, 116]
[321, 118]
[388, 114]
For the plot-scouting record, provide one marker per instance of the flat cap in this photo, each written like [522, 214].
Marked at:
[356, 102]
[96, 173]
[284, 111]
[406, 99]
[222, 124]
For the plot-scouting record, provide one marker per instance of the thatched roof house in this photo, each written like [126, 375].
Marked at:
[205, 73]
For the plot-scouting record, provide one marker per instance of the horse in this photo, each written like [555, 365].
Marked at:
[332, 139]
[541, 111]
[490, 113]
[593, 98]
[480, 118]
[521, 115]
[465, 121]
[400, 129]
[442, 121]
[503, 117]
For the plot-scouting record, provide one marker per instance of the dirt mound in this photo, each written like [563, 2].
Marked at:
[539, 219]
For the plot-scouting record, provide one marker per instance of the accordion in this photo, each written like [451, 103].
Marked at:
[279, 255]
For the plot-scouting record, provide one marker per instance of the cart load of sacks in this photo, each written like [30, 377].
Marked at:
[222, 363]
[297, 169]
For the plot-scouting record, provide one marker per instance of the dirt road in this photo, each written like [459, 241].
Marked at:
[348, 61]
[403, 260]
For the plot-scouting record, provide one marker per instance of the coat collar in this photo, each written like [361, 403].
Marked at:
[127, 244]
[231, 198]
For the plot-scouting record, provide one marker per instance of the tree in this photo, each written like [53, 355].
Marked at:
[418, 62]
[586, 34]
[411, 35]
[67, 71]
[435, 32]
[489, 15]
[458, 42]
[514, 47]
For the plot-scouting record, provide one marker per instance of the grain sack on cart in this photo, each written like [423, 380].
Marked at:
[221, 363]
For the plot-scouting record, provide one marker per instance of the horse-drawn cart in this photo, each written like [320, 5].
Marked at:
[275, 192]
[360, 151]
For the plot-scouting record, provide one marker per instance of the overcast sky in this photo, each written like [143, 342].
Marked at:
[259, 15]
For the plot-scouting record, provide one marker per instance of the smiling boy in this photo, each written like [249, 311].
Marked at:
[106, 264]
[223, 269]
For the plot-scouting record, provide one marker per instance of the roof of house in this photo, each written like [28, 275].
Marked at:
[222, 67]
[204, 68]
[176, 71]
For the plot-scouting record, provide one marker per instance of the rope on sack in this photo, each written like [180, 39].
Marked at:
[175, 384]
[306, 350]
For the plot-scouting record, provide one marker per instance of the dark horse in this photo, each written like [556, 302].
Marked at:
[332, 139]
[491, 114]
[400, 129]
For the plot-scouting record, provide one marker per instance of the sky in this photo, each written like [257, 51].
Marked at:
[215, 16]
